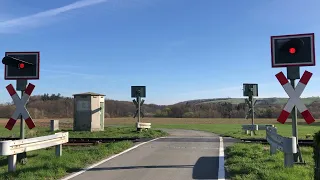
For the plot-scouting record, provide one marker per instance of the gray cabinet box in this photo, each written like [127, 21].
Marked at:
[89, 110]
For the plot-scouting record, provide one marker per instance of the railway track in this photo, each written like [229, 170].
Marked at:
[302, 142]
[92, 141]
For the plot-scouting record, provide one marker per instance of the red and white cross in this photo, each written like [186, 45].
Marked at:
[294, 97]
[20, 106]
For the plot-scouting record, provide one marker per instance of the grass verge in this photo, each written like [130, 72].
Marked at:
[234, 130]
[43, 164]
[117, 132]
[253, 161]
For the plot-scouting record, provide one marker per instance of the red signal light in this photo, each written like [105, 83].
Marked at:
[292, 50]
[21, 65]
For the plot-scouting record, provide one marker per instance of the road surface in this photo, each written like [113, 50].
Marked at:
[184, 155]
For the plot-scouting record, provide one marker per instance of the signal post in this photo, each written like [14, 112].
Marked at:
[250, 90]
[21, 66]
[138, 92]
[293, 51]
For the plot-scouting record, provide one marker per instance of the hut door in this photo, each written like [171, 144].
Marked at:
[102, 115]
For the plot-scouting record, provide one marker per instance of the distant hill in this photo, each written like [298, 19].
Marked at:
[262, 101]
[57, 106]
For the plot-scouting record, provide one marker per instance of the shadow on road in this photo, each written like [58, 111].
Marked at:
[207, 168]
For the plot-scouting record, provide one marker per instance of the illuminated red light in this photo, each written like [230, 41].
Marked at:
[292, 50]
[21, 65]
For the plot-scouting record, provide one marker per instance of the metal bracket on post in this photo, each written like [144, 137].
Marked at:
[12, 163]
[59, 150]
[289, 155]
[21, 84]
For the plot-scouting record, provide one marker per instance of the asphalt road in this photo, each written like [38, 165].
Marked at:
[184, 155]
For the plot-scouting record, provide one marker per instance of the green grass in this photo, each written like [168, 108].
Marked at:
[43, 164]
[252, 162]
[120, 132]
[116, 132]
[234, 130]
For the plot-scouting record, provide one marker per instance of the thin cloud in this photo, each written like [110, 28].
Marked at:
[41, 17]
[73, 73]
[58, 74]
[67, 66]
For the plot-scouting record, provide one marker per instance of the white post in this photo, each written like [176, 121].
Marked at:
[12, 163]
[54, 125]
[59, 150]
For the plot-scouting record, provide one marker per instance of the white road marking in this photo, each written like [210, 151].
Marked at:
[108, 159]
[221, 171]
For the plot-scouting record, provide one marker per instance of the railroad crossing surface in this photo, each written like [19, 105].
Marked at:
[184, 155]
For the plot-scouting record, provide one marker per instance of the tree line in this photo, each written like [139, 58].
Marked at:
[57, 106]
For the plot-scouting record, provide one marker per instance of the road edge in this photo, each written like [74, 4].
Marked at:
[108, 159]
[221, 170]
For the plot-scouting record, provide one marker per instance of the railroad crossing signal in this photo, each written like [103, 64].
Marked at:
[293, 50]
[138, 92]
[21, 65]
[294, 97]
[250, 90]
[137, 106]
[21, 106]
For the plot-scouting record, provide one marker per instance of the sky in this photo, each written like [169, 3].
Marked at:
[179, 49]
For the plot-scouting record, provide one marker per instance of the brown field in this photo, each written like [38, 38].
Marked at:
[68, 122]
